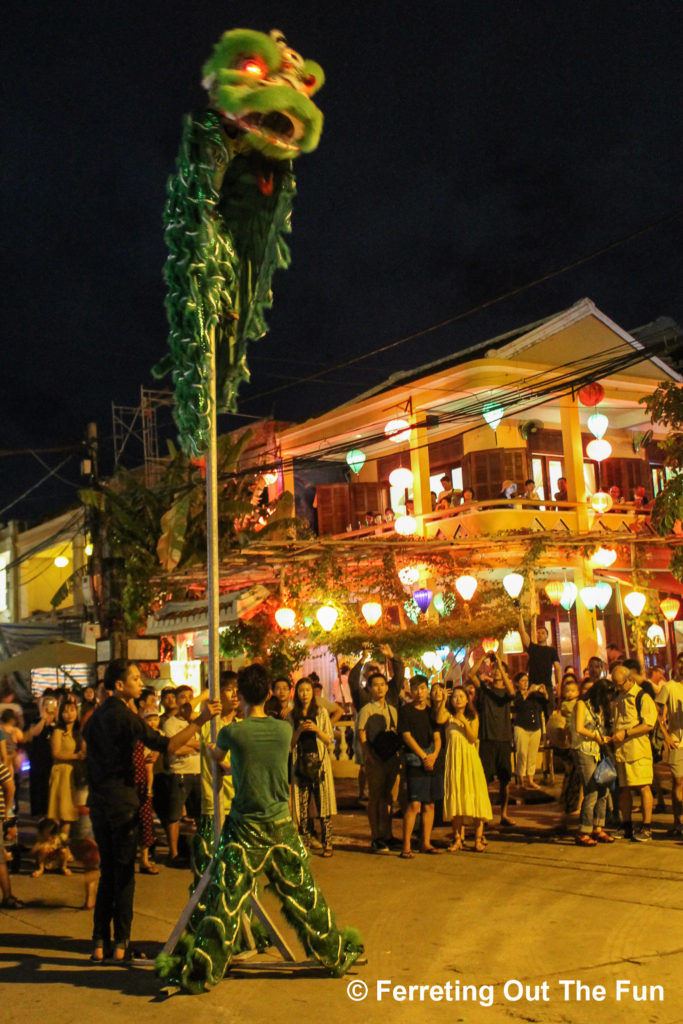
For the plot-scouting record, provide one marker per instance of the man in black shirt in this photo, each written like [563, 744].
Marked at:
[423, 743]
[494, 697]
[544, 661]
[111, 733]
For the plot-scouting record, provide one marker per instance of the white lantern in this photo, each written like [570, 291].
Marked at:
[405, 525]
[589, 597]
[601, 502]
[408, 575]
[603, 594]
[372, 612]
[401, 477]
[466, 586]
[598, 450]
[327, 616]
[398, 430]
[61, 561]
[512, 643]
[655, 635]
[598, 424]
[513, 584]
[635, 602]
[570, 592]
[428, 659]
[285, 618]
[604, 557]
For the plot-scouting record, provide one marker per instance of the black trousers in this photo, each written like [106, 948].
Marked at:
[116, 889]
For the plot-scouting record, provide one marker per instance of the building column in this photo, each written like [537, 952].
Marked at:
[586, 621]
[572, 444]
[288, 475]
[419, 464]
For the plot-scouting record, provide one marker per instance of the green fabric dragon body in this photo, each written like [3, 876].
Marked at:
[228, 210]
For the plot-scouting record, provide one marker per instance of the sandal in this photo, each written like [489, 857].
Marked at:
[149, 869]
[328, 851]
[12, 903]
[455, 846]
[430, 849]
[479, 846]
[584, 839]
[601, 836]
[406, 855]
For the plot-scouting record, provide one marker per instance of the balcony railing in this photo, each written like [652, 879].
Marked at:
[492, 516]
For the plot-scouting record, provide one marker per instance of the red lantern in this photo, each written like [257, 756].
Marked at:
[591, 394]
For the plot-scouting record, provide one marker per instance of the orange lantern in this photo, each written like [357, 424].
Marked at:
[555, 590]
[669, 608]
[591, 394]
[490, 645]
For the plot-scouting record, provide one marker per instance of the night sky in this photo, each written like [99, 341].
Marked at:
[469, 149]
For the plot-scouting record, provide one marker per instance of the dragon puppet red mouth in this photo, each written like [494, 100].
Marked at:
[274, 126]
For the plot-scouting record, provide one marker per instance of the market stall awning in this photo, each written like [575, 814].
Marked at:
[52, 654]
[188, 616]
[660, 579]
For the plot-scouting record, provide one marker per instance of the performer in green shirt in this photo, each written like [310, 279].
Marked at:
[258, 836]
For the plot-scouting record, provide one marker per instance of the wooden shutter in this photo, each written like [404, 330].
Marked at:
[627, 474]
[445, 454]
[367, 497]
[334, 508]
[485, 471]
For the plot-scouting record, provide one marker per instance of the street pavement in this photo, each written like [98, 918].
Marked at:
[508, 935]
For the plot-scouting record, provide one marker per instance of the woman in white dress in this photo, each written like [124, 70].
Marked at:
[466, 799]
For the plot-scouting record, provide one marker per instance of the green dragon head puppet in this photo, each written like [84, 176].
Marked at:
[262, 89]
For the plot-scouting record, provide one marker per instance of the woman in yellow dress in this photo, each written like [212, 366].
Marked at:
[68, 748]
[466, 795]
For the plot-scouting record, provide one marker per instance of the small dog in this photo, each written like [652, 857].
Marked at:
[52, 851]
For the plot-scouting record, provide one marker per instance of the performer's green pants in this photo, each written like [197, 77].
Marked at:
[246, 849]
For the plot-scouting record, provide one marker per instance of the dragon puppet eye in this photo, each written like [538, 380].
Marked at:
[255, 67]
[309, 81]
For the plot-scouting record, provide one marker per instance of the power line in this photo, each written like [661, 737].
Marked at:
[473, 309]
[36, 485]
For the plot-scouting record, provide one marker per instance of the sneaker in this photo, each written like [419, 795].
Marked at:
[378, 846]
[643, 835]
[622, 833]
[392, 844]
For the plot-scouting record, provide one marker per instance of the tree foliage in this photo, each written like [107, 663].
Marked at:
[148, 532]
[665, 407]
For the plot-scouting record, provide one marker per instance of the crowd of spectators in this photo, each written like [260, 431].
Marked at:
[439, 755]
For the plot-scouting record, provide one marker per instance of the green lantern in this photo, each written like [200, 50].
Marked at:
[355, 460]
